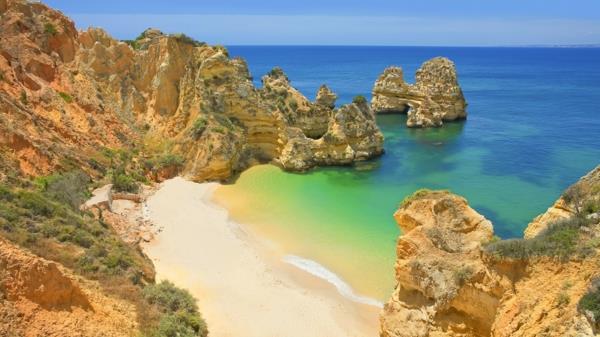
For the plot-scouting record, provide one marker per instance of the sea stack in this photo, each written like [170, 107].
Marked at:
[435, 97]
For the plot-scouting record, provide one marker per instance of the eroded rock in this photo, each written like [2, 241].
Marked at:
[435, 97]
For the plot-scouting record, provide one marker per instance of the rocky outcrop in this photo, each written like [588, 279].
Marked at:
[351, 135]
[443, 285]
[69, 94]
[435, 97]
[450, 282]
[42, 298]
[581, 197]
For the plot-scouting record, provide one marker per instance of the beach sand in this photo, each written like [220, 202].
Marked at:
[244, 287]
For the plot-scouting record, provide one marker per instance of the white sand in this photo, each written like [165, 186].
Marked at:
[244, 288]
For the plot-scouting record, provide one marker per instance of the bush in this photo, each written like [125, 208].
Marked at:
[276, 72]
[66, 97]
[36, 203]
[417, 194]
[134, 44]
[198, 127]
[170, 159]
[219, 129]
[359, 99]
[23, 98]
[188, 40]
[591, 207]
[2, 77]
[170, 298]
[591, 302]
[180, 316]
[560, 239]
[293, 104]
[124, 183]
[50, 29]
[70, 188]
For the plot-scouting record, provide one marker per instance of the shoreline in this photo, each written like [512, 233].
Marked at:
[245, 285]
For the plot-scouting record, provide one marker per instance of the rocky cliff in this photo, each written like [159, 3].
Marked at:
[582, 197]
[455, 279]
[65, 95]
[41, 298]
[435, 97]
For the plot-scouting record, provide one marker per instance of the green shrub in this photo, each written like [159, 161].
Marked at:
[591, 207]
[36, 203]
[70, 188]
[187, 39]
[23, 98]
[2, 77]
[222, 49]
[562, 299]
[219, 129]
[124, 183]
[591, 302]
[417, 194]
[180, 316]
[293, 104]
[50, 29]
[170, 159]
[560, 239]
[276, 72]
[359, 99]
[198, 127]
[66, 97]
[224, 121]
[170, 298]
[134, 44]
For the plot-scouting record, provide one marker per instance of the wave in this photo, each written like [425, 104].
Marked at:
[320, 271]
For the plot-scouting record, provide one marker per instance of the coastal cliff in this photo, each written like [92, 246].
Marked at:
[68, 94]
[454, 278]
[436, 96]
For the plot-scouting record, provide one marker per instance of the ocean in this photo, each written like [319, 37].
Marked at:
[533, 129]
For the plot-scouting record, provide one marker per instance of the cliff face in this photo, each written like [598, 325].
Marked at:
[41, 298]
[66, 94]
[454, 281]
[434, 98]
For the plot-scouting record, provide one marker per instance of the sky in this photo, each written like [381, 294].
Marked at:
[349, 22]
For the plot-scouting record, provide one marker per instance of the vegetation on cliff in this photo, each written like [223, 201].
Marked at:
[563, 239]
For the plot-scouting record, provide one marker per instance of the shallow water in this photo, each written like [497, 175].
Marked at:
[533, 129]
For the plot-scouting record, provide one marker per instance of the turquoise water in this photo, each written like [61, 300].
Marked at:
[533, 129]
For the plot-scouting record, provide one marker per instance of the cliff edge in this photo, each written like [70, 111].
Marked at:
[454, 278]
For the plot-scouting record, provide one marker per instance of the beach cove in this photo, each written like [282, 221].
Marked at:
[245, 285]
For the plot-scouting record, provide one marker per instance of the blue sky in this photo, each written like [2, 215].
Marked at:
[349, 22]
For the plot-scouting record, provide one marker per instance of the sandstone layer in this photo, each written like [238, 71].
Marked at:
[453, 280]
[41, 298]
[435, 97]
[64, 95]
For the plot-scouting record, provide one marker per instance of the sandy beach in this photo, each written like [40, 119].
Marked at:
[244, 286]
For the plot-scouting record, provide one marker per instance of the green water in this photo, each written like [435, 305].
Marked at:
[342, 216]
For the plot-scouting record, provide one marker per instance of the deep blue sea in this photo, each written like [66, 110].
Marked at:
[533, 129]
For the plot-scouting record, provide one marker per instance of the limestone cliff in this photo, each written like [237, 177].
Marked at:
[435, 97]
[454, 280]
[41, 298]
[581, 197]
[65, 95]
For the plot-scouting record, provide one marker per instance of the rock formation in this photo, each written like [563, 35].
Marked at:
[68, 94]
[435, 97]
[452, 281]
[578, 198]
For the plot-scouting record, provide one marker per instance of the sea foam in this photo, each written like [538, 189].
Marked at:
[320, 271]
